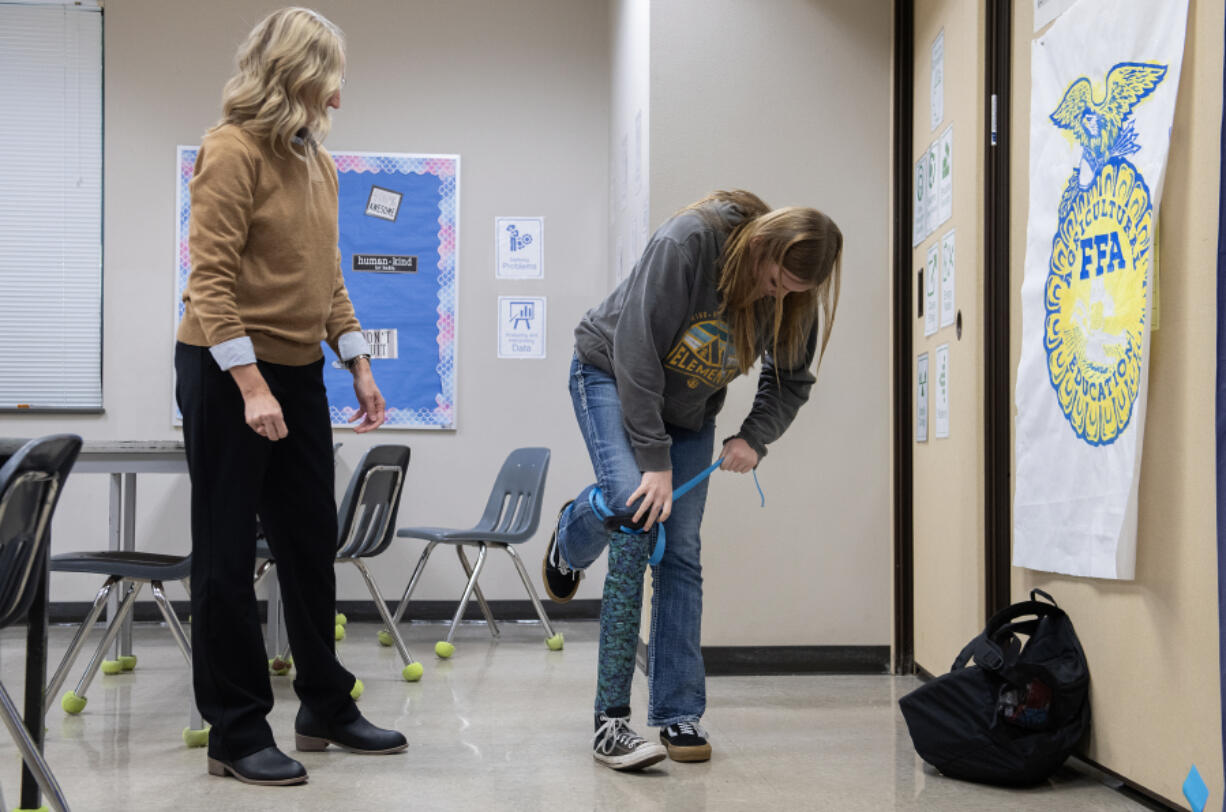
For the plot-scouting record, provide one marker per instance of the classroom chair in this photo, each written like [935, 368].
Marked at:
[511, 517]
[31, 481]
[367, 518]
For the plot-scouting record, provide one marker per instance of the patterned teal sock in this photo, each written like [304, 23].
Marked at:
[620, 613]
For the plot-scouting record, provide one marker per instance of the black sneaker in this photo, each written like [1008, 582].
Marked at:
[686, 741]
[619, 747]
[561, 582]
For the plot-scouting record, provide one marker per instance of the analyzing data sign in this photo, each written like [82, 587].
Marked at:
[399, 232]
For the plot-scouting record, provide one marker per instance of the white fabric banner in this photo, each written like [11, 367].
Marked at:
[1103, 86]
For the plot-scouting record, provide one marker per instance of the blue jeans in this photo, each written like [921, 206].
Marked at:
[676, 677]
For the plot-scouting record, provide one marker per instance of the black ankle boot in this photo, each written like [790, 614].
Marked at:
[267, 767]
[358, 736]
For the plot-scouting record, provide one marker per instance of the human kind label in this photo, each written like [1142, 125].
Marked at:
[1103, 88]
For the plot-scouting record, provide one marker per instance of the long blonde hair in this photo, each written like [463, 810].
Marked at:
[289, 67]
[802, 241]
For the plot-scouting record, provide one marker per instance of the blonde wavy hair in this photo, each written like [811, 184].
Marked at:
[289, 67]
[802, 241]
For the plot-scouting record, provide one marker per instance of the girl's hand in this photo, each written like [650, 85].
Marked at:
[739, 457]
[656, 489]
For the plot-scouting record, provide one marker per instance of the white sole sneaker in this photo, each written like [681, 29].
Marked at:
[639, 758]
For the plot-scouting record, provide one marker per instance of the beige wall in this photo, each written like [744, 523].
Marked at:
[793, 105]
[519, 90]
[1152, 642]
[948, 473]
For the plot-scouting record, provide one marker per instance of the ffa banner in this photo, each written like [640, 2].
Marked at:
[1103, 84]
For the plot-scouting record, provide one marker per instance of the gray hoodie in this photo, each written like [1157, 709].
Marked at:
[660, 336]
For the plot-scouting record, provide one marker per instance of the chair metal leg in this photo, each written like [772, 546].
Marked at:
[168, 612]
[468, 592]
[29, 753]
[262, 569]
[408, 590]
[536, 602]
[78, 641]
[112, 631]
[485, 607]
[277, 640]
[381, 605]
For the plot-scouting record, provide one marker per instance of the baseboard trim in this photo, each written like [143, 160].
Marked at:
[361, 611]
[774, 661]
[783, 660]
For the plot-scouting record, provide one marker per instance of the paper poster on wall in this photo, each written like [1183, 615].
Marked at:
[1047, 10]
[945, 183]
[931, 290]
[1104, 80]
[520, 247]
[398, 231]
[919, 214]
[921, 399]
[931, 201]
[521, 326]
[941, 406]
[948, 278]
[937, 95]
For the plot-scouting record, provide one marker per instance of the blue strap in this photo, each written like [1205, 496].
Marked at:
[693, 483]
[601, 509]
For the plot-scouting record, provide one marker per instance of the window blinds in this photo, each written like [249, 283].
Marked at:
[50, 206]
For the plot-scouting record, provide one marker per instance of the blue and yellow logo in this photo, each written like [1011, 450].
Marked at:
[1096, 292]
[704, 355]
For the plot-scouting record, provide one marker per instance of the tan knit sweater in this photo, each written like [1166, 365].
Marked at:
[265, 261]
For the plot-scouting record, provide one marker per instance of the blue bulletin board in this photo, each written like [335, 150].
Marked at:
[399, 232]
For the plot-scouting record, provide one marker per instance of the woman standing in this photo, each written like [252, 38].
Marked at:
[724, 282]
[265, 289]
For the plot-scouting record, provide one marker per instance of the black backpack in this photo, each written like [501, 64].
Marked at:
[1014, 716]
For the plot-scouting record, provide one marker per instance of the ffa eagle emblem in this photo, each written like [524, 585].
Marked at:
[1096, 291]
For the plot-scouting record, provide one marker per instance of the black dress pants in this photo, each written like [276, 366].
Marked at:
[235, 474]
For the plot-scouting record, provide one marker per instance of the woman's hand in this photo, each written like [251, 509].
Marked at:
[370, 399]
[739, 457]
[261, 411]
[656, 490]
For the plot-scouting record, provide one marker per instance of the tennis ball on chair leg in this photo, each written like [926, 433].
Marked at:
[127, 662]
[444, 649]
[111, 667]
[412, 672]
[196, 738]
[385, 637]
[358, 688]
[73, 704]
[341, 620]
[555, 642]
[340, 632]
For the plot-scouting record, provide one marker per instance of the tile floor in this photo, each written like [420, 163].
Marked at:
[505, 725]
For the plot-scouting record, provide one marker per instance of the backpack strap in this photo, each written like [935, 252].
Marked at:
[987, 654]
[985, 648]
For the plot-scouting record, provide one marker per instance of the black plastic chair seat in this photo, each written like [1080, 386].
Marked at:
[125, 564]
